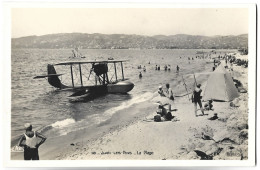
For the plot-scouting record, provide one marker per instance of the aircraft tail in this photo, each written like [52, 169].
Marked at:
[53, 79]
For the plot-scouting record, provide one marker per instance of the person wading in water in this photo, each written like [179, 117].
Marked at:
[31, 144]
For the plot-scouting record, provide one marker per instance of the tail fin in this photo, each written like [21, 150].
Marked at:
[53, 79]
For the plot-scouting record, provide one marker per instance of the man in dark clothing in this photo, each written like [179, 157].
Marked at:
[197, 99]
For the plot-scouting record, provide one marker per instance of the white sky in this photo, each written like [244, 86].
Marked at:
[142, 21]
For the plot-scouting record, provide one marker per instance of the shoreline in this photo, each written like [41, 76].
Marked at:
[67, 144]
[176, 140]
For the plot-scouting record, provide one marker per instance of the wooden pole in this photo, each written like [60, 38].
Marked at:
[80, 75]
[195, 79]
[71, 72]
[115, 71]
[185, 87]
[122, 70]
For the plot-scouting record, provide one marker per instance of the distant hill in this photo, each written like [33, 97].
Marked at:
[123, 41]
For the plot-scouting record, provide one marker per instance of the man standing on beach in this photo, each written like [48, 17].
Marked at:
[31, 144]
[169, 94]
[197, 99]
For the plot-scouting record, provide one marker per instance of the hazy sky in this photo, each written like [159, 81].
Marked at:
[143, 21]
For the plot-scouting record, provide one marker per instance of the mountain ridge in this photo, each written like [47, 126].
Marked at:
[130, 41]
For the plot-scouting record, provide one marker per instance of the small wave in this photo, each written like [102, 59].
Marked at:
[44, 129]
[61, 128]
[63, 123]
[140, 98]
[58, 128]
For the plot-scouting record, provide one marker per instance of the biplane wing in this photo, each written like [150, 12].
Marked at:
[89, 62]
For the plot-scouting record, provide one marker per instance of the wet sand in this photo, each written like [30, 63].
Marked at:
[179, 139]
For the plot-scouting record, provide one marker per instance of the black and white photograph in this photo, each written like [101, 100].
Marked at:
[113, 82]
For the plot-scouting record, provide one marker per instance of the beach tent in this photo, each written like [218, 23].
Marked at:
[220, 86]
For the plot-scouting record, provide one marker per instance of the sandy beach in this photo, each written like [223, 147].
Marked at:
[179, 139]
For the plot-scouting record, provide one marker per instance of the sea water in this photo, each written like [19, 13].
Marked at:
[51, 112]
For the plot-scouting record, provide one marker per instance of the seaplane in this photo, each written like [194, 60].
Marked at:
[100, 80]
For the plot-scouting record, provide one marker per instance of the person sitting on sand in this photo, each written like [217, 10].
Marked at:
[161, 110]
[197, 99]
[214, 117]
[163, 114]
[162, 98]
[31, 144]
[160, 91]
[209, 105]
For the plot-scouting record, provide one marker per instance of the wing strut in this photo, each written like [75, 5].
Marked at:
[122, 70]
[80, 75]
[71, 72]
[115, 71]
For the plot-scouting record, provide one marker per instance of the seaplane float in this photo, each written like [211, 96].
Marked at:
[95, 84]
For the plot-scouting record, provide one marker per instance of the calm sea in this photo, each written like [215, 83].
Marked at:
[51, 112]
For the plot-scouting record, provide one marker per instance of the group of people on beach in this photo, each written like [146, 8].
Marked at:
[167, 98]
[196, 95]
[196, 98]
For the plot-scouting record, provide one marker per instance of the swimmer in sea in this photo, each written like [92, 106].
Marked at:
[144, 69]
[165, 67]
[140, 75]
